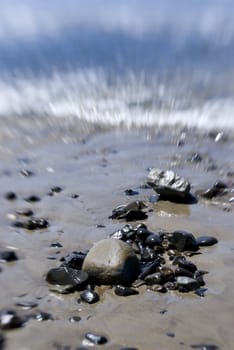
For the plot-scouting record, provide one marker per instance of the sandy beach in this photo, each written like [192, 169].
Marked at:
[98, 169]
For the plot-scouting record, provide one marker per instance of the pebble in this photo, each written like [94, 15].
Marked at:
[206, 241]
[204, 346]
[33, 199]
[96, 338]
[111, 261]
[27, 305]
[24, 212]
[9, 320]
[10, 196]
[89, 296]
[8, 256]
[26, 172]
[186, 284]
[125, 291]
[43, 316]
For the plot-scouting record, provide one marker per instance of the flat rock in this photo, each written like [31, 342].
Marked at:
[111, 261]
[168, 184]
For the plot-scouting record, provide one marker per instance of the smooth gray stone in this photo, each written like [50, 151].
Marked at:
[111, 261]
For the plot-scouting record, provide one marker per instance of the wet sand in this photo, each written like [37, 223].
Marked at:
[99, 169]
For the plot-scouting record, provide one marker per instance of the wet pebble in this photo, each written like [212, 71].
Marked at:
[204, 346]
[171, 334]
[8, 256]
[128, 348]
[32, 199]
[10, 320]
[89, 296]
[152, 240]
[2, 341]
[183, 240]
[26, 173]
[206, 241]
[130, 192]
[56, 245]
[10, 196]
[35, 224]
[74, 260]
[96, 338]
[66, 280]
[56, 189]
[186, 284]
[125, 291]
[24, 212]
[43, 316]
[74, 319]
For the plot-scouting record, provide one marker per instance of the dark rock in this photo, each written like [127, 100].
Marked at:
[130, 212]
[24, 212]
[56, 189]
[183, 240]
[130, 192]
[74, 319]
[170, 334]
[8, 255]
[128, 348]
[32, 199]
[10, 196]
[96, 338]
[170, 285]
[198, 276]
[111, 261]
[186, 264]
[74, 196]
[206, 241]
[153, 240]
[183, 272]
[74, 260]
[200, 292]
[26, 304]
[26, 173]
[216, 190]
[148, 254]
[89, 296]
[56, 245]
[149, 268]
[157, 288]
[186, 284]
[154, 278]
[168, 185]
[125, 291]
[10, 320]
[66, 280]
[204, 346]
[35, 224]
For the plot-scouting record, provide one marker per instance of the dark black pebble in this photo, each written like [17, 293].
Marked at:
[74, 260]
[35, 224]
[10, 320]
[8, 256]
[10, 196]
[204, 346]
[200, 292]
[152, 240]
[74, 196]
[183, 240]
[32, 199]
[56, 189]
[128, 348]
[24, 212]
[195, 158]
[96, 338]
[206, 241]
[170, 334]
[74, 319]
[26, 172]
[66, 277]
[130, 192]
[89, 296]
[186, 264]
[56, 245]
[125, 291]
[26, 304]
[162, 312]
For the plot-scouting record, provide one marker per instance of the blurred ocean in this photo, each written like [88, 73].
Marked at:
[125, 62]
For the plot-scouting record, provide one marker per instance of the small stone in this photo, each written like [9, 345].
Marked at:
[74, 260]
[186, 284]
[128, 348]
[153, 240]
[195, 158]
[111, 261]
[89, 296]
[26, 172]
[24, 212]
[9, 320]
[43, 316]
[56, 189]
[66, 280]
[56, 245]
[168, 185]
[74, 319]
[170, 334]
[8, 256]
[96, 338]
[154, 278]
[204, 346]
[206, 241]
[183, 240]
[35, 224]
[125, 291]
[32, 199]
[10, 196]
[130, 192]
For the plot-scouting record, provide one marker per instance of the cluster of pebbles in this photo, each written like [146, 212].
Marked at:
[129, 258]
